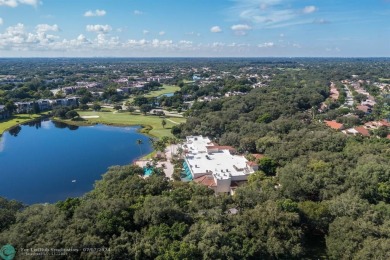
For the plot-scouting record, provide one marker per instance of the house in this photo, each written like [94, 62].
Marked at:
[215, 166]
[71, 101]
[44, 104]
[334, 125]
[364, 108]
[376, 124]
[196, 78]
[385, 122]
[206, 180]
[24, 107]
[363, 131]
[3, 112]
[359, 130]
[258, 155]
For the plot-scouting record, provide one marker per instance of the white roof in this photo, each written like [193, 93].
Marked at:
[222, 164]
[197, 144]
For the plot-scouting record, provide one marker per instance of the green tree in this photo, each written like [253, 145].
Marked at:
[11, 107]
[145, 108]
[131, 109]
[96, 107]
[118, 107]
[71, 114]
[267, 165]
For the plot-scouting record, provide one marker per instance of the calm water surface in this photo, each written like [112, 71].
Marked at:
[46, 161]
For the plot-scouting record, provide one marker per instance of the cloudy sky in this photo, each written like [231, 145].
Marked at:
[194, 28]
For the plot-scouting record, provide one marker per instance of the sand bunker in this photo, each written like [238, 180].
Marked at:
[86, 117]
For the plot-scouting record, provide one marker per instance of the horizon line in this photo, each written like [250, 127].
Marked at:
[202, 57]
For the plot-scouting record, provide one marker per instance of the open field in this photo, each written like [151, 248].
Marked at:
[164, 90]
[152, 124]
[384, 80]
[16, 120]
[185, 81]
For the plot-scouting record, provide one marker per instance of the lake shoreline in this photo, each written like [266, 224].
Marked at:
[57, 148]
[18, 123]
[89, 123]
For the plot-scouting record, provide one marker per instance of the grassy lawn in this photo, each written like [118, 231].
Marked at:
[16, 120]
[384, 80]
[164, 90]
[185, 81]
[152, 124]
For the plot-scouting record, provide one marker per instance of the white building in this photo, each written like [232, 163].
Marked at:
[215, 166]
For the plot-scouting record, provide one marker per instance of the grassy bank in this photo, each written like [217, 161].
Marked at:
[152, 124]
[16, 120]
[165, 89]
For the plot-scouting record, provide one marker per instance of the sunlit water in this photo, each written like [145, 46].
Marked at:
[46, 161]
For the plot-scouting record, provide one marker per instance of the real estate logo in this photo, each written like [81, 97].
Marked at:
[7, 252]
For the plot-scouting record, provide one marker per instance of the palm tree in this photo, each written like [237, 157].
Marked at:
[139, 142]
[172, 141]
[180, 151]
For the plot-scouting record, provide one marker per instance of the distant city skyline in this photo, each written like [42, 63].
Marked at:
[194, 28]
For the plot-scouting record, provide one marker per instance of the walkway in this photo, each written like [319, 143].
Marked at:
[172, 121]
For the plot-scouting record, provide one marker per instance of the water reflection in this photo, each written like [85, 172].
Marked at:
[41, 163]
[62, 125]
[15, 130]
[36, 123]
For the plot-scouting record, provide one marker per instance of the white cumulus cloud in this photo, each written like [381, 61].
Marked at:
[186, 43]
[215, 29]
[47, 27]
[98, 28]
[145, 31]
[309, 9]
[137, 12]
[132, 43]
[97, 12]
[266, 45]
[241, 27]
[1, 21]
[15, 3]
[161, 33]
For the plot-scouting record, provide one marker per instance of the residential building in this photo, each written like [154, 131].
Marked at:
[334, 125]
[359, 130]
[45, 104]
[3, 112]
[217, 167]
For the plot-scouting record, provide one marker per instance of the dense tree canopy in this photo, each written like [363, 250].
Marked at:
[318, 194]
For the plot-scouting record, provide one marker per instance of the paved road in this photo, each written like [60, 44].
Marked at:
[349, 99]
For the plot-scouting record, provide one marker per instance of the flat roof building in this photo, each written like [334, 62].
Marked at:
[219, 163]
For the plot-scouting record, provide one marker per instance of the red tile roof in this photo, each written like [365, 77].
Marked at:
[334, 125]
[362, 131]
[363, 108]
[258, 155]
[385, 123]
[206, 180]
[388, 136]
[251, 163]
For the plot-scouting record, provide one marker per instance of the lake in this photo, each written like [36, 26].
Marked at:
[45, 161]
[166, 95]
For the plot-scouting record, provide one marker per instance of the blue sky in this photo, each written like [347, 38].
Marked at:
[194, 28]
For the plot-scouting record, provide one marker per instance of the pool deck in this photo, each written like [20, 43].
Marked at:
[168, 170]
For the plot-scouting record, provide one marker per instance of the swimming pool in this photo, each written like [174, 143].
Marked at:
[148, 171]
